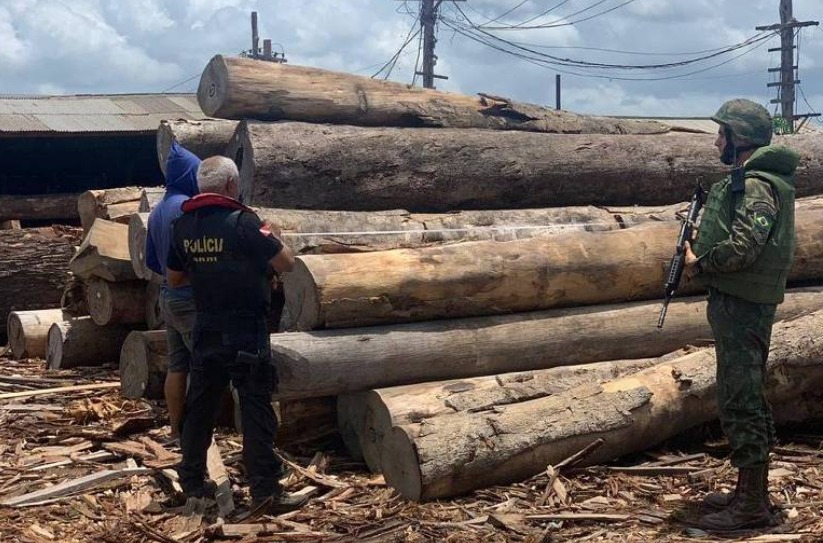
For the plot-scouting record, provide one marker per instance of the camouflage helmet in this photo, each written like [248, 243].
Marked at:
[749, 122]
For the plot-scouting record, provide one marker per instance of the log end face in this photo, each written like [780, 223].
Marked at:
[99, 301]
[401, 464]
[16, 336]
[134, 366]
[213, 88]
[301, 311]
[54, 347]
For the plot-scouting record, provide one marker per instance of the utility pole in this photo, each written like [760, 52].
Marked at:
[788, 68]
[266, 53]
[428, 20]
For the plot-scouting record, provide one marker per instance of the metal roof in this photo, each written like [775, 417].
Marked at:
[122, 113]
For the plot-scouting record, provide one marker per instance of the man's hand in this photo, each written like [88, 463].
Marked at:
[690, 262]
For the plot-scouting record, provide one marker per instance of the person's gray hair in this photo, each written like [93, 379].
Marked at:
[214, 172]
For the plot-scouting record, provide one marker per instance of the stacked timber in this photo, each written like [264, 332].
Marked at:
[143, 364]
[28, 331]
[33, 269]
[116, 204]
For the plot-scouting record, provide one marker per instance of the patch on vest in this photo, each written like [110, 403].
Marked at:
[763, 220]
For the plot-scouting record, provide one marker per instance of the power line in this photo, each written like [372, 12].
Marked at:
[471, 30]
[553, 64]
[557, 24]
[393, 60]
[179, 84]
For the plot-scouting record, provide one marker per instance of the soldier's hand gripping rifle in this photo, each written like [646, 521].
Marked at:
[678, 262]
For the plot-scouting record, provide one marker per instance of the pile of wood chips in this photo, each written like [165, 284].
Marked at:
[87, 465]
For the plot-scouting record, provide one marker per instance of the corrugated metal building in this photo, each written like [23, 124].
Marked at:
[73, 143]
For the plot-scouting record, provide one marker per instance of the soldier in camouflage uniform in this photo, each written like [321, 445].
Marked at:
[743, 252]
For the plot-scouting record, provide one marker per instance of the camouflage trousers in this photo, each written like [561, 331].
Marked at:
[742, 332]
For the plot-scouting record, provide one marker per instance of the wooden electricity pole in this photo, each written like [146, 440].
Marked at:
[788, 68]
[428, 20]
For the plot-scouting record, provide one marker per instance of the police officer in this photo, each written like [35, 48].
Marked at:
[225, 251]
[743, 252]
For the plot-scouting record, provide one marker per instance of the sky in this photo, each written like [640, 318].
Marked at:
[135, 46]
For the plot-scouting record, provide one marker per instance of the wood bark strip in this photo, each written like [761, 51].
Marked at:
[153, 311]
[333, 362]
[143, 364]
[33, 269]
[457, 453]
[110, 204]
[311, 166]
[203, 137]
[123, 302]
[28, 331]
[237, 88]
[104, 253]
[366, 418]
[80, 342]
[477, 278]
[39, 207]
[149, 198]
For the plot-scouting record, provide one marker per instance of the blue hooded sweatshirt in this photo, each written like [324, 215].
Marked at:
[181, 184]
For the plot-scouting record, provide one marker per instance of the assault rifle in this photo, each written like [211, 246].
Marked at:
[678, 262]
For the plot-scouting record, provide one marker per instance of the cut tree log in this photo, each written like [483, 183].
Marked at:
[477, 278]
[153, 311]
[143, 364]
[39, 207]
[149, 198]
[333, 362]
[104, 253]
[138, 232]
[311, 166]
[73, 301]
[80, 342]
[236, 88]
[301, 421]
[110, 204]
[454, 454]
[123, 302]
[33, 269]
[328, 232]
[366, 418]
[203, 137]
[28, 331]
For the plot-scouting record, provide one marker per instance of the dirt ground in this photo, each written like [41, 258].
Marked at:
[47, 439]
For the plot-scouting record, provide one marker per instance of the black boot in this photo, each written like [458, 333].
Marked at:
[749, 509]
[721, 500]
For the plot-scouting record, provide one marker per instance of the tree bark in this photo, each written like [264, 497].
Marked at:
[454, 454]
[28, 331]
[33, 269]
[121, 303]
[149, 198]
[110, 204]
[309, 166]
[304, 420]
[153, 311]
[143, 364]
[329, 232]
[39, 207]
[203, 137]
[333, 362]
[477, 278]
[104, 253]
[236, 88]
[73, 300]
[80, 342]
[366, 418]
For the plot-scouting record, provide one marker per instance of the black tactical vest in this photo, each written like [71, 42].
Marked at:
[226, 281]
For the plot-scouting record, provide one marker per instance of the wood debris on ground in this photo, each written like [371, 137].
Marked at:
[83, 464]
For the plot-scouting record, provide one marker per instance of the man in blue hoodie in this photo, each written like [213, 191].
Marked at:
[177, 303]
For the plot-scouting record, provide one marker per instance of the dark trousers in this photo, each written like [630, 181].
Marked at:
[215, 363]
[742, 333]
